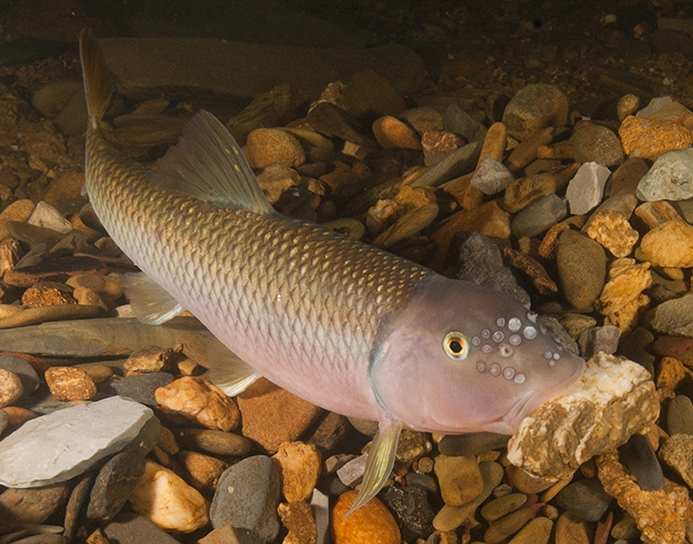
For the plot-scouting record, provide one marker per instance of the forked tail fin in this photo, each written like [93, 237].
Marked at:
[98, 84]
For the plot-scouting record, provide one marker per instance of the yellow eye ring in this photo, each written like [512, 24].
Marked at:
[456, 346]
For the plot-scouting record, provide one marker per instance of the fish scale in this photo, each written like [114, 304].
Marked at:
[342, 324]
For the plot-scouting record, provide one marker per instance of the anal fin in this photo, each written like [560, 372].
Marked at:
[227, 371]
[150, 303]
[381, 459]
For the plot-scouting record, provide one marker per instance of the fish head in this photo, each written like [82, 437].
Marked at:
[460, 357]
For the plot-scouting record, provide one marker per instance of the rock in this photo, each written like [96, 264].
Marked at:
[351, 472]
[596, 339]
[537, 531]
[581, 268]
[621, 298]
[391, 132]
[127, 528]
[333, 122]
[585, 190]
[150, 360]
[45, 293]
[203, 471]
[215, 442]
[674, 317]
[63, 444]
[526, 151]
[19, 211]
[438, 144]
[52, 97]
[423, 119]
[299, 466]
[497, 508]
[471, 444]
[199, 400]
[22, 507]
[656, 213]
[4, 418]
[535, 107]
[458, 162]
[114, 484]
[370, 523]
[670, 178]
[298, 518]
[537, 218]
[680, 416]
[11, 387]
[247, 498]
[508, 525]
[369, 94]
[66, 186]
[46, 216]
[661, 515]
[459, 479]
[268, 146]
[141, 387]
[584, 498]
[676, 453]
[627, 105]
[570, 529]
[609, 224]
[407, 226]
[271, 415]
[527, 483]
[165, 499]
[70, 383]
[527, 190]
[491, 176]
[651, 138]
[275, 179]
[411, 509]
[640, 459]
[626, 177]
[613, 399]
[592, 142]
[223, 535]
[460, 122]
[669, 244]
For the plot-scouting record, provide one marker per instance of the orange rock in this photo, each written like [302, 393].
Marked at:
[526, 152]
[621, 298]
[69, 383]
[267, 146]
[373, 522]
[199, 400]
[391, 132]
[527, 190]
[613, 231]
[671, 373]
[203, 470]
[670, 245]
[47, 294]
[650, 138]
[299, 465]
[298, 518]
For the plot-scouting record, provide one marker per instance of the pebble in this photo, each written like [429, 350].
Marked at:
[459, 478]
[592, 142]
[673, 317]
[4, 418]
[114, 484]
[528, 483]
[299, 466]
[537, 531]
[471, 444]
[651, 138]
[199, 400]
[680, 416]
[458, 162]
[424, 119]
[641, 460]
[412, 510]
[223, 535]
[581, 268]
[268, 146]
[129, 528]
[32, 506]
[537, 218]
[203, 471]
[626, 177]
[669, 244]
[596, 339]
[491, 176]
[437, 144]
[533, 108]
[150, 360]
[621, 299]
[332, 121]
[141, 387]
[19, 211]
[63, 444]
[46, 216]
[675, 452]
[11, 388]
[298, 519]
[670, 178]
[70, 383]
[527, 190]
[271, 415]
[572, 530]
[407, 226]
[215, 442]
[460, 122]
[247, 497]
[391, 132]
[609, 224]
[497, 508]
[586, 189]
[373, 522]
[586, 499]
[508, 525]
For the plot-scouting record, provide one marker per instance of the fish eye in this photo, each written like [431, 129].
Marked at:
[456, 346]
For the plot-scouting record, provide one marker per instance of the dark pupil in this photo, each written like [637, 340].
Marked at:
[455, 346]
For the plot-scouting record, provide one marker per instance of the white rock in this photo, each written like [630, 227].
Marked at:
[492, 177]
[655, 104]
[586, 189]
[45, 215]
[58, 446]
[352, 472]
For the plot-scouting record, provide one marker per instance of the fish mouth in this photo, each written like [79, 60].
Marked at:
[511, 420]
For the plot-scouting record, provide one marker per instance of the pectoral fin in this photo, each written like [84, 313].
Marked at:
[381, 459]
[227, 371]
[150, 303]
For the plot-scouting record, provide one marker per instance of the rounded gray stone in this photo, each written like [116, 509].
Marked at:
[247, 497]
[585, 498]
[670, 178]
[539, 217]
[141, 388]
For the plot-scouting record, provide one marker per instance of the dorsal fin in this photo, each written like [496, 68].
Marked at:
[98, 83]
[208, 164]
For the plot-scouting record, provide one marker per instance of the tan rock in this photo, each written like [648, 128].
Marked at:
[626, 177]
[527, 190]
[609, 224]
[391, 132]
[221, 535]
[109, 285]
[17, 416]
[299, 465]
[495, 143]
[165, 499]
[64, 187]
[150, 360]
[526, 151]
[670, 244]
[671, 372]
[621, 298]
[47, 294]
[271, 415]
[613, 399]
[534, 107]
[382, 214]
[267, 146]
[342, 174]
[424, 119]
[459, 478]
[20, 211]
[298, 518]
[69, 383]
[10, 387]
[10, 253]
[203, 470]
[407, 226]
[199, 400]
[661, 515]
[373, 522]
[649, 138]
[275, 179]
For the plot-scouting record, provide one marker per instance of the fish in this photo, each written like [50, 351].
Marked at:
[349, 327]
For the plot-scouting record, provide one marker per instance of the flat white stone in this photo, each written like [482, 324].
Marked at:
[58, 446]
[492, 177]
[45, 215]
[586, 189]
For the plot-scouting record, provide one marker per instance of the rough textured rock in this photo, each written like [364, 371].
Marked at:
[581, 268]
[621, 298]
[614, 399]
[651, 138]
[670, 178]
[55, 448]
[669, 244]
[534, 107]
[674, 317]
[299, 465]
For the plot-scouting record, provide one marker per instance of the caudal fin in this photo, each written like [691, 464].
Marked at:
[98, 85]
